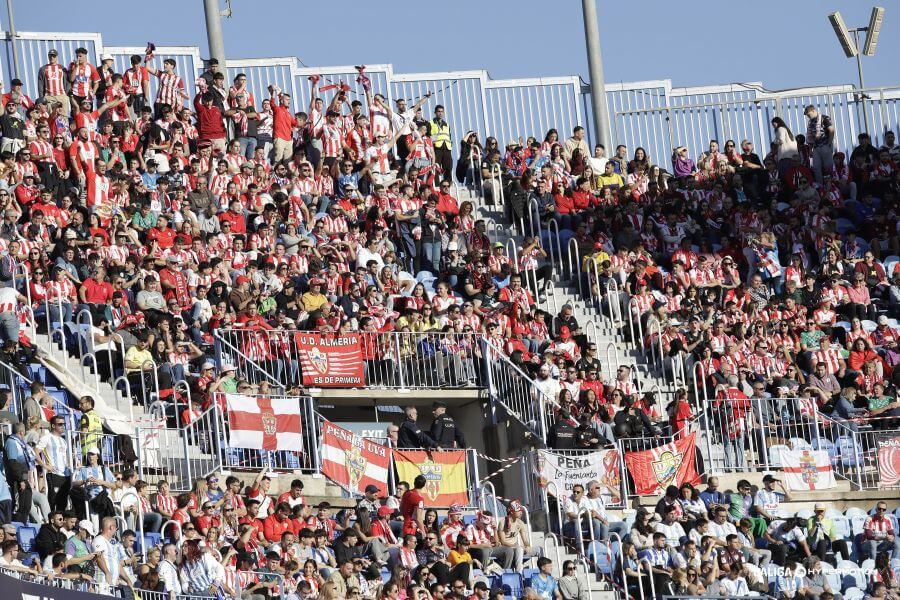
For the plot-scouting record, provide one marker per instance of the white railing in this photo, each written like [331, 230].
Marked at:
[392, 360]
[517, 393]
[307, 458]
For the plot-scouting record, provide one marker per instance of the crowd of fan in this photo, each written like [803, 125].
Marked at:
[169, 218]
[721, 543]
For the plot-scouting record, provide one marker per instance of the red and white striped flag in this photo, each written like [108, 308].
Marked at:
[807, 469]
[352, 461]
[264, 422]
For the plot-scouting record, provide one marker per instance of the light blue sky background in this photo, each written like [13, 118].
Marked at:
[782, 43]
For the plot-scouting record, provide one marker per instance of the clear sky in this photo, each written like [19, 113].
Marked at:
[782, 43]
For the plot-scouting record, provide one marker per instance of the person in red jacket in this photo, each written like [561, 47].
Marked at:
[210, 126]
[277, 523]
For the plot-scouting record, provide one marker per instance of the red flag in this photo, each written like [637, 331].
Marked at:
[330, 360]
[351, 461]
[670, 464]
[263, 422]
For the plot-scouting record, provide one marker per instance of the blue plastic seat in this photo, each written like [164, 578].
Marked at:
[26, 535]
[152, 539]
[515, 583]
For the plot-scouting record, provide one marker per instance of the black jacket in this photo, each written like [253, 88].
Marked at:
[410, 435]
[444, 432]
[48, 541]
[562, 436]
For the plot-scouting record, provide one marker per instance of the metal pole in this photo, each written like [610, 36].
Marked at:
[214, 31]
[12, 38]
[595, 71]
[859, 71]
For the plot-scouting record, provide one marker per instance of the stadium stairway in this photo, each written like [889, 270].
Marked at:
[606, 331]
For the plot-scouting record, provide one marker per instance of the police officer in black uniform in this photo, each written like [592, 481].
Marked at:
[444, 431]
[409, 435]
[562, 432]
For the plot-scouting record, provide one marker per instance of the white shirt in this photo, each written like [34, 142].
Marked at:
[168, 574]
[673, 532]
[769, 501]
[572, 507]
[56, 450]
[734, 588]
[110, 552]
[721, 531]
[596, 504]
[364, 255]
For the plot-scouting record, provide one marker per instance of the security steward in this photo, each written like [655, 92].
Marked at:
[409, 435]
[439, 130]
[444, 431]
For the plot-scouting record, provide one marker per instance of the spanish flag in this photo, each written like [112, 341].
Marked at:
[445, 472]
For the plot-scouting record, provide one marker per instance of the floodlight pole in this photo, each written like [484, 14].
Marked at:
[214, 31]
[859, 71]
[12, 39]
[595, 71]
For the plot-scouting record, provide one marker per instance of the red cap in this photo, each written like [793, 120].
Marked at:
[242, 279]
[385, 511]
[564, 332]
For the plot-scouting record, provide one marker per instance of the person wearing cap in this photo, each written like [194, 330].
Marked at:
[16, 91]
[767, 501]
[822, 536]
[444, 430]
[79, 547]
[53, 83]
[410, 435]
[12, 128]
[370, 499]
[93, 483]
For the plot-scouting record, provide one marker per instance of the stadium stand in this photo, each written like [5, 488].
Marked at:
[180, 242]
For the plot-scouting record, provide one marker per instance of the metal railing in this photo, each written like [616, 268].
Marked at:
[182, 454]
[308, 458]
[392, 360]
[692, 124]
[517, 393]
[17, 384]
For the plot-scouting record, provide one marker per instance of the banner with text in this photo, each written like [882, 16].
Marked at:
[566, 470]
[888, 459]
[352, 461]
[330, 360]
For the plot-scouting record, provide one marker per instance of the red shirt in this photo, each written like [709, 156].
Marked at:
[411, 501]
[283, 123]
[273, 528]
[164, 237]
[96, 292]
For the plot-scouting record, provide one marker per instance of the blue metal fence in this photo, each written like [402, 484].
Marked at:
[650, 114]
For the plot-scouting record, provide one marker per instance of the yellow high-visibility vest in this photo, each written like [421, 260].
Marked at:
[440, 134]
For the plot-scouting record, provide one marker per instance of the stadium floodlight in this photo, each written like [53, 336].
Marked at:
[843, 34]
[873, 30]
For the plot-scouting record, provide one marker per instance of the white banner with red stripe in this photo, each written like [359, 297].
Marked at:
[807, 469]
[264, 422]
[353, 461]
